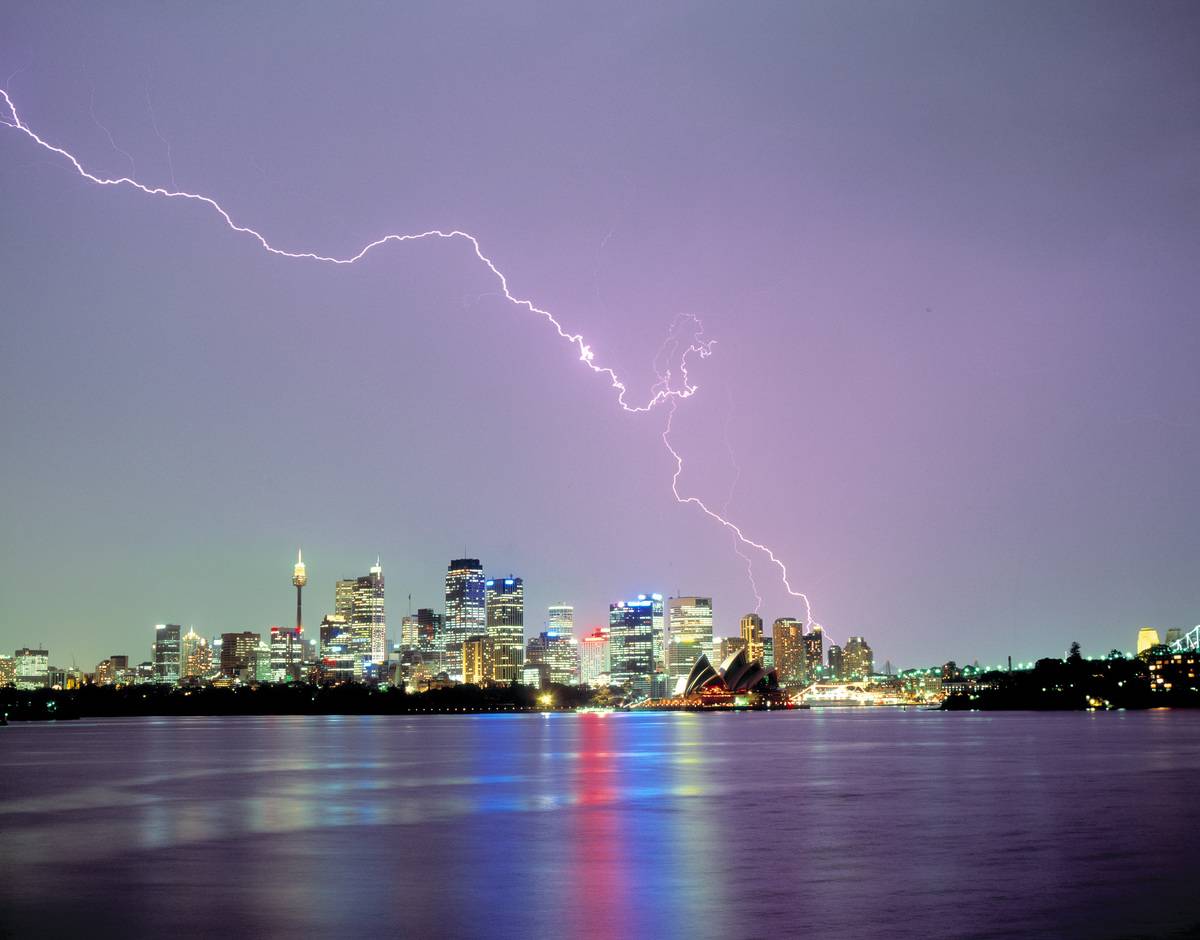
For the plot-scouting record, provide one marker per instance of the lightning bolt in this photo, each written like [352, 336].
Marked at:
[667, 391]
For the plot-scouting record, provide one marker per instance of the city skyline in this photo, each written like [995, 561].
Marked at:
[958, 446]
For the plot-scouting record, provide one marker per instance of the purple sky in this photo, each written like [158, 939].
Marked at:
[948, 252]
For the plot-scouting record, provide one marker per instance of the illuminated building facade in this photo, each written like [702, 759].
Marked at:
[168, 649]
[560, 653]
[8, 672]
[814, 654]
[788, 640]
[833, 658]
[593, 658]
[287, 654]
[466, 611]
[1173, 670]
[560, 619]
[31, 668]
[858, 660]
[633, 626]
[478, 655]
[239, 654]
[195, 655]
[752, 637]
[408, 632]
[505, 599]
[337, 650]
[431, 643]
[1146, 638]
[689, 631]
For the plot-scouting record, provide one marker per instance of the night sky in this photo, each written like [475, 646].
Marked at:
[948, 252]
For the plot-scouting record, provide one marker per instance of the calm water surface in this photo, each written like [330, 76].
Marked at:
[828, 823]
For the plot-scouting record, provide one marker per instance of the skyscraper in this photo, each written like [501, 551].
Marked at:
[478, 659]
[560, 619]
[431, 642]
[788, 634]
[632, 631]
[167, 652]
[835, 660]
[361, 602]
[287, 654]
[593, 658]
[506, 626]
[466, 614]
[858, 660]
[752, 635]
[31, 668]
[560, 654]
[814, 654]
[690, 628]
[337, 654]
[239, 654]
[195, 655]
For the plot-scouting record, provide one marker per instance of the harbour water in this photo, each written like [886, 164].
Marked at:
[849, 823]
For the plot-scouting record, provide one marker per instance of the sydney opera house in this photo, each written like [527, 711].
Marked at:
[739, 682]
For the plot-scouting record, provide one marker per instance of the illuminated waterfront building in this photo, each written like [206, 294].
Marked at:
[239, 654]
[535, 675]
[8, 672]
[287, 654]
[814, 654]
[466, 611]
[632, 629]
[788, 641]
[752, 636]
[505, 600]
[408, 632]
[727, 646]
[337, 652]
[31, 668]
[834, 659]
[1173, 670]
[689, 631]
[361, 602]
[858, 660]
[593, 658]
[168, 660]
[478, 655]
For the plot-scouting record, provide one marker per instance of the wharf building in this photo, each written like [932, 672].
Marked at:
[505, 600]
[689, 631]
[466, 611]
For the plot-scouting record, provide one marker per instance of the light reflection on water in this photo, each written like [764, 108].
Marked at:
[870, 823]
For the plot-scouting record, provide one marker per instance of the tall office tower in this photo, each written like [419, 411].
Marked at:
[360, 601]
[31, 668]
[287, 654]
[631, 626]
[337, 653]
[299, 578]
[768, 657]
[814, 654]
[593, 658]
[262, 662]
[466, 613]
[788, 636]
[431, 643]
[8, 672]
[239, 654]
[167, 652]
[835, 660]
[690, 628]
[478, 659]
[752, 636]
[858, 661]
[408, 632]
[560, 619]
[506, 627]
[560, 654]
[195, 655]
